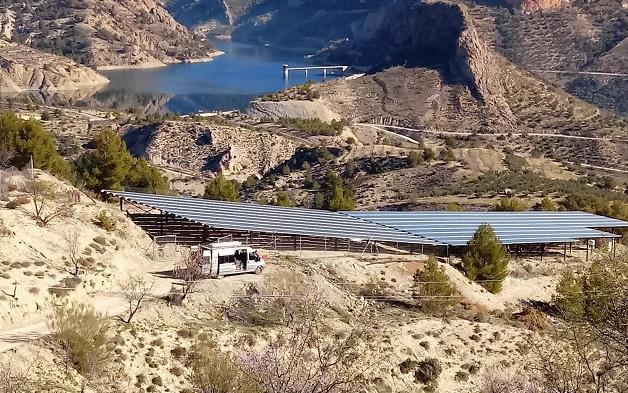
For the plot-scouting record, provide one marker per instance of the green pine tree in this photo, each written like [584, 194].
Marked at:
[283, 199]
[432, 288]
[27, 138]
[221, 189]
[107, 166]
[486, 259]
[341, 199]
[319, 201]
[143, 175]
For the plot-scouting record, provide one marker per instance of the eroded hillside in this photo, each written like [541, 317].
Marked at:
[203, 148]
[26, 69]
[106, 33]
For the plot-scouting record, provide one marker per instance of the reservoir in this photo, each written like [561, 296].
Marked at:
[229, 82]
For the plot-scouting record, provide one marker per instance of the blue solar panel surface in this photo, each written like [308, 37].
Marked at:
[272, 219]
[430, 227]
[457, 228]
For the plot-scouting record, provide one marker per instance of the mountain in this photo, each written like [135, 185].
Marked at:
[25, 69]
[430, 68]
[538, 35]
[576, 36]
[104, 33]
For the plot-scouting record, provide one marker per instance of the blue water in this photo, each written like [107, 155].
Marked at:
[229, 82]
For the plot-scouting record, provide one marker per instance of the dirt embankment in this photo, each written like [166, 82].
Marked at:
[26, 69]
[302, 109]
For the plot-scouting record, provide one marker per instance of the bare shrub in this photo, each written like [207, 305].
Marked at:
[135, 288]
[105, 221]
[71, 247]
[310, 357]
[44, 194]
[16, 379]
[6, 155]
[216, 372]
[532, 318]
[87, 338]
[283, 299]
[189, 273]
[502, 381]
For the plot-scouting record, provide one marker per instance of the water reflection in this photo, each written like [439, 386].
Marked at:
[229, 82]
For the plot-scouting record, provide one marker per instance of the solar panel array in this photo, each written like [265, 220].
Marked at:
[272, 219]
[457, 228]
[429, 228]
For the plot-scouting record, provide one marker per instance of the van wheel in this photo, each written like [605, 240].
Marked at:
[258, 270]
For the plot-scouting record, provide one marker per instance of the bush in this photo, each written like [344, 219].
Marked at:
[342, 199]
[407, 366]
[105, 221]
[546, 205]
[432, 288]
[85, 334]
[283, 199]
[315, 126]
[568, 297]
[13, 204]
[221, 189]
[414, 159]
[27, 138]
[532, 319]
[212, 370]
[486, 259]
[178, 352]
[510, 205]
[427, 372]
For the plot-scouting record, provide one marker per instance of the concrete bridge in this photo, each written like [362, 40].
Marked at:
[287, 69]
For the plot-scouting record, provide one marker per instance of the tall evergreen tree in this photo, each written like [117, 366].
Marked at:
[341, 199]
[27, 138]
[283, 199]
[107, 166]
[221, 189]
[486, 259]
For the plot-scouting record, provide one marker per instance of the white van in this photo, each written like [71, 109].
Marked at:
[227, 258]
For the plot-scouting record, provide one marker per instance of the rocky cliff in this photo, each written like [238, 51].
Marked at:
[107, 33]
[431, 69]
[205, 148]
[26, 69]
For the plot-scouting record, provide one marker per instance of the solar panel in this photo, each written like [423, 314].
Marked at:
[457, 228]
[429, 228]
[272, 219]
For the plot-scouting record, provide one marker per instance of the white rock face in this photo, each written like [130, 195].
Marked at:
[316, 109]
[7, 22]
[25, 69]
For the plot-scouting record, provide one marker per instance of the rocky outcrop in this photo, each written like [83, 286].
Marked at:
[205, 148]
[529, 6]
[435, 35]
[108, 33]
[25, 69]
[292, 109]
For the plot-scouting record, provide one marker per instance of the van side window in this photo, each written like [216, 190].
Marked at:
[226, 259]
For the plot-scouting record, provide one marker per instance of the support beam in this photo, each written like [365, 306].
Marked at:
[121, 204]
[565, 253]
[587, 243]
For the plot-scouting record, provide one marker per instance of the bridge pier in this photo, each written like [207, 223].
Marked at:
[287, 69]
